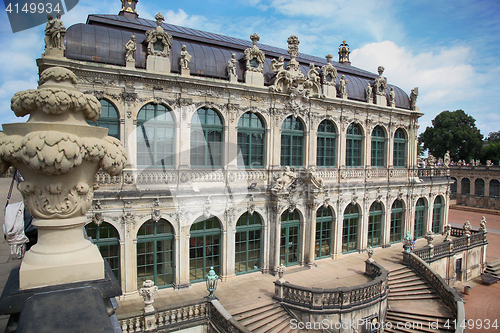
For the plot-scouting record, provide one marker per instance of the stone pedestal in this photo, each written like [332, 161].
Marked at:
[233, 78]
[130, 64]
[61, 255]
[393, 104]
[343, 96]
[53, 53]
[254, 79]
[380, 100]
[185, 72]
[156, 64]
[329, 91]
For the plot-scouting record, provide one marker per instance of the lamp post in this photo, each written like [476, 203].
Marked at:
[211, 280]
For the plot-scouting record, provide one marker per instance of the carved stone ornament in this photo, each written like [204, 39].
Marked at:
[467, 228]
[148, 292]
[413, 99]
[254, 57]
[482, 225]
[130, 48]
[429, 236]
[54, 37]
[185, 58]
[281, 272]
[97, 218]
[286, 179]
[159, 42]
[251, 205]
[328, 72]
[380, 84]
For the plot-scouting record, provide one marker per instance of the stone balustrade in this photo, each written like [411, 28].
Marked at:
[447, 294]
[334, 300]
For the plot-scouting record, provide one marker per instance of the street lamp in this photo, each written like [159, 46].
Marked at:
[211, 280]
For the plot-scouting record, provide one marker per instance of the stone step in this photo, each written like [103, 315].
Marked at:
[404, 330]
[415, 283]
[419, 325]
[413, 297]
[399, 271]
[420, 287]
[268, 323]
[256, 321]
[405, 280]
[278, 327]
[411, 293]
[403, 276]
[253, 312]
[419, 317]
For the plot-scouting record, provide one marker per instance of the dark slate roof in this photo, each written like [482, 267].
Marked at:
[102, 39]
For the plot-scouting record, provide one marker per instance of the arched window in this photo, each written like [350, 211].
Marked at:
[109, 119]
[453, 186]
[378, 147]
[354, 146]
[207, 139]
[375, 225]
[107, 240]
[204, 249]
[350, 229]
[155, 136]
[437, 215]
[324, 221]
[399, 159]
[419, 218]
[325, 156]
[292, 142]
[155, 253]
[248, 243]
[465, 186]
[289, 247]
[251, 140]
[479, 187]
[397, 220]
[494, 188]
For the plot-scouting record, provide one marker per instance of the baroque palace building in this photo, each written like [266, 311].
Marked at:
[243, 156]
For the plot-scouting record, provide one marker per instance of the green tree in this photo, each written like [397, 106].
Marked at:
[493, 136]
[491, 152]
[454, 131]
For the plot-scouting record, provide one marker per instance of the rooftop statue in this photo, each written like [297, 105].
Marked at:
[278, 65]
[54, 33]
[368, 92]
[342, 86]
[413, 98]
[254, 56]
[447, 159]
[159, 42]
[231, 65]
[392, 97]
[130, 48]
[380, 84]
[329, 72]
[313, 73]
[185, 58]
[482, 225]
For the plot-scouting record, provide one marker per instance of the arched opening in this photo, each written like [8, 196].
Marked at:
[437, 215]
[465, 186]
[207, 139]
[375, 225]
[292, 142]
[419, 218]
[155, 253]
[204, 249]
[155, 136]
[479, 187]
[397, 221]
[378, 147]
[453, 186]
[326, 144]
[107, 239]
[354, 146]
[399, 157]
[109, 119]
[324, 224]
[494, 188]
[248, 243]
[290, 238]
[251, 140]
[350, 229]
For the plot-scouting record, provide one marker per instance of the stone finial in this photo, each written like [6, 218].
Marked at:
[482, 225]
[159, 42]
[370, 252]
[467, 228]
[54, 37]
[447, 159]
[293, 51]
[254, 56]
[329, 58]
[255, 38]
[344, 53]
[281, 272]
[159, 19]
[447, 233]
[429, 236]
[413, 99]
[431, 160]
[329, 74]
[148, 292]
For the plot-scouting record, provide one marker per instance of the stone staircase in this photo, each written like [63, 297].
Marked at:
[493, 268]
[414, 306]
[268, 318]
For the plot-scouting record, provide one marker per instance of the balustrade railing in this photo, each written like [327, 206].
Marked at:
[335, 299]
[447, 294]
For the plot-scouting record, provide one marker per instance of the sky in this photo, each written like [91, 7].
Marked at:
[450, 50]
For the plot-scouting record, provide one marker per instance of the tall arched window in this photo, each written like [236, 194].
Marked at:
[465, 186]
[107, 240]
[155, 136]
[350, 229]
[326, 143]
[453, 186]
[479, 187]
[251, 140]
[397, 221]
[109, 119]
[290, 238]
[419, 218]
[248, 243]
[399, 159]
[354, 146]
[292, 142]
[437, 215]
[204, 249]
[207, 139]
[378, 147]
[155, 253]
[324, 221]
[494, 188]
[375, 225]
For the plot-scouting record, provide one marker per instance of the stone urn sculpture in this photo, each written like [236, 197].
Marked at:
[58, 155]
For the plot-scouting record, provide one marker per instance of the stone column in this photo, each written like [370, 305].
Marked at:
[337, 246]
[58, 154]
[275, 245]
[430, 216]
[390, 150]
[367, 159]
[312, 235]
[183, 259]
[303, 241]
[363, 226]
[231, 141]
[224, 256]
[386, 227]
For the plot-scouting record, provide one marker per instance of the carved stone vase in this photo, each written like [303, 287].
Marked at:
[58, 155]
